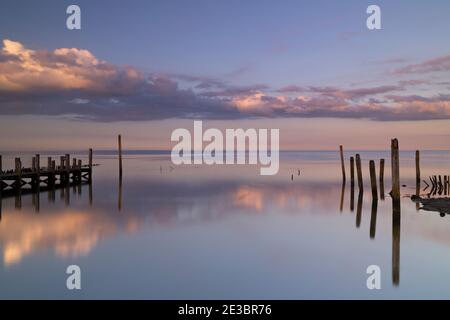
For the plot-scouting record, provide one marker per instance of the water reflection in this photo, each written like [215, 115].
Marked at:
[71, 227]
[396, 217]
[341, 207]
[373, 219]
[276, 227]
[359, 208]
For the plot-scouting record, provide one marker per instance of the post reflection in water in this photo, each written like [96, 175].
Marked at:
[396, 215]
[119, 196]
[341, 206]
[51, 196]
[359, 208]
[396, 219]
[90, 194]
[373, 219]
[352, 198]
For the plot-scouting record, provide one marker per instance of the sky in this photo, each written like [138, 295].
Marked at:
[310, 68]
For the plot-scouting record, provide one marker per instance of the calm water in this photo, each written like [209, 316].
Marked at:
[225, 232]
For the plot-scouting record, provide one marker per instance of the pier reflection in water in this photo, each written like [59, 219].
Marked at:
[223, 232]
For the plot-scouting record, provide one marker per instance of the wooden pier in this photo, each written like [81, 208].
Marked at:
[45, 177]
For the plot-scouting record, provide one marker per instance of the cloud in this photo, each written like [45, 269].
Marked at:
[291, 89]
[75, 83]
[439, 64]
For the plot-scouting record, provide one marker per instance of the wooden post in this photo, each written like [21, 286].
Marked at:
[67, 167]
[352, 172]
[33, 164]
[341, 149]
[1, 180]
[38, 170]
[120, 155]
[445, 185]
[80, 164]
[373, 179]
[90, 166]
[67, 162]
[418, 167]
[395, 169]
[359, 172]
[18, 165]
[74, 163]
[51, 173]
[382, 179]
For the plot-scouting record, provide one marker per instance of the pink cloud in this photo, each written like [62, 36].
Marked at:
[434, 65]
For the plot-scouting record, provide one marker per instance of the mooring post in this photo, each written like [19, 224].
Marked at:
[382, 179]
[352, 172]
[33, 170]
[445, 185]
[18, 166]
[120, 155]
[50, 171]
[67, 163]
[1, 180]
[341, 150]
[373, 179]
[38, 170]
[80, 164]
[75, 170]
[395, 169]
[359, 173]
[90, 166]
[417, 167]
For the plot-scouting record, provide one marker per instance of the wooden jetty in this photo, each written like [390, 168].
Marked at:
[32, 179]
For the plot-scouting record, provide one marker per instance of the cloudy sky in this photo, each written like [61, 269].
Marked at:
[310, 68]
